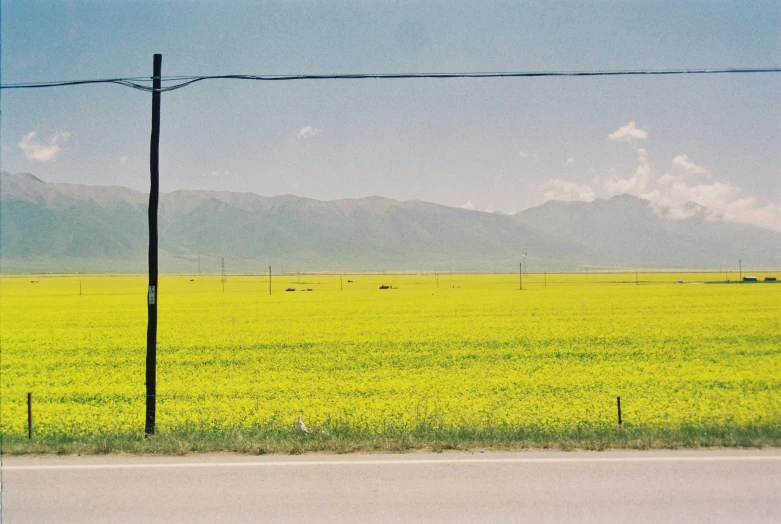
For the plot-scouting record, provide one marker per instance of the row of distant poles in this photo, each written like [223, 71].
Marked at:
[522, 268]
[224, 278]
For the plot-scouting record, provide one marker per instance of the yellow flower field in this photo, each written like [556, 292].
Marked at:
[473, 350]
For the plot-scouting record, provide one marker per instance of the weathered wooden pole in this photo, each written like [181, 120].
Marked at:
[152, 297]
[29, 416]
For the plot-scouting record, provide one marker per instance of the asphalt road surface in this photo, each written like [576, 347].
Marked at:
[530, 486]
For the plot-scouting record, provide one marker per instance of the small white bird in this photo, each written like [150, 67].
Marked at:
[301, 426]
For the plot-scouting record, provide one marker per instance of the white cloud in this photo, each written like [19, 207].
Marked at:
[628, 133]
[683, 168]
[745, 210]
[677, 194]
[675, 201]
[124, 159]
[683, 162]
[721, 202]
[221, 172]
[569, 161]
[306, 132]
[637, 184]
[41, 152]
[563, 190]
[490, 209]
[526, 154]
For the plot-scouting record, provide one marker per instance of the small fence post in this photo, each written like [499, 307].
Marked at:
[618, 400]
[29, 416]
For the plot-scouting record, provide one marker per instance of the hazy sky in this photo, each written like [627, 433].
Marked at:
[500, 144]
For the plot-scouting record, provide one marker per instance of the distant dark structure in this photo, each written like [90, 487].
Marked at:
[750, 279]
[770, 279]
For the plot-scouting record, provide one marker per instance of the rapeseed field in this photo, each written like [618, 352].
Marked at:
[461, 352]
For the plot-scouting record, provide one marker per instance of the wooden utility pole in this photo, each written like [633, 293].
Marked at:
[29, 416]
[152, 296]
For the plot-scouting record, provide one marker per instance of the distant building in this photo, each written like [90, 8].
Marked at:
[770, 279]
[750, 279]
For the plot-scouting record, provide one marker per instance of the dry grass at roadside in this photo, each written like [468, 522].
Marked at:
[344, 439]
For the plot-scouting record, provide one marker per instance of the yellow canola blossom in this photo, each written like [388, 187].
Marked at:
[472, 350]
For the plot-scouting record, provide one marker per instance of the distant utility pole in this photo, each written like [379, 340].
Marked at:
[637, 280]
[523, 261]
[154, 196]
[520, 276]
[269, 280]
[546, 279]
[223, 278]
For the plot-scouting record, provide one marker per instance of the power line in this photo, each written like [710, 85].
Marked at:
[184, 81]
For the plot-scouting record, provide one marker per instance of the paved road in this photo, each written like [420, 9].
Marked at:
[690, 486]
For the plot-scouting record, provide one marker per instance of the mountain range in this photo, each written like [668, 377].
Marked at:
[48, 227]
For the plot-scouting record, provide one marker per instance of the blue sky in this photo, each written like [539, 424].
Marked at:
[504, 144]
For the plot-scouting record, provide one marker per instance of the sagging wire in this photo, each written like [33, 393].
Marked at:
[184, 81]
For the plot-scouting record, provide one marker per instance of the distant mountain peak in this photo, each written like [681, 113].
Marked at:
[626, 197]
[24, 176]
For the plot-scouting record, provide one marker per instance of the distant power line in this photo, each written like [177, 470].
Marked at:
[178, 82]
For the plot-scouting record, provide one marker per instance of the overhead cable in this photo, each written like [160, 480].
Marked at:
[178, 82]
